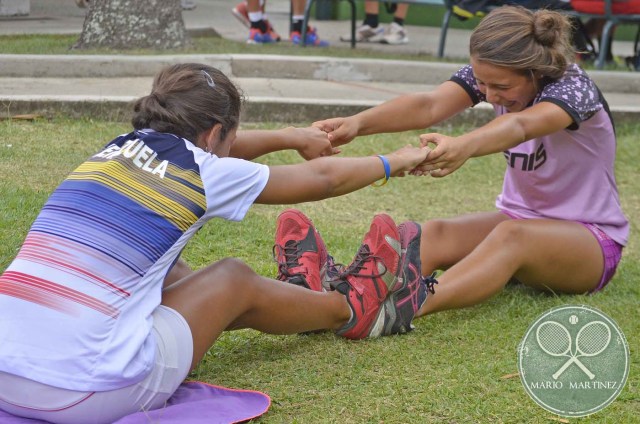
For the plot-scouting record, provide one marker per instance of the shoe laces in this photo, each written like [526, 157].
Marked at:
[290, 252]
[333, 268]
[363, 256]
[430, 281]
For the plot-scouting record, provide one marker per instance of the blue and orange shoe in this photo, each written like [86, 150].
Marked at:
[366, 282]
[301, 253]
[311, 39]
[258, 37]
[410, 291]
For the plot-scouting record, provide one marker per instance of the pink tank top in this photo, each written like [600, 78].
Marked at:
[569, 174]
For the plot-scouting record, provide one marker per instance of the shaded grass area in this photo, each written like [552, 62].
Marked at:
[456, 367]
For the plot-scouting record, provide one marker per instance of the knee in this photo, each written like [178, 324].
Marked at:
[511, 234]
[434, 230]
[431, 242]
[231, 270]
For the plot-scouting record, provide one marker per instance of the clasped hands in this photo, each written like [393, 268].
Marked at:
[446, 156]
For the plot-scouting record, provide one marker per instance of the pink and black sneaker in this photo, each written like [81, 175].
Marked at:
[301, 253]
[366, 282]
[410, 291]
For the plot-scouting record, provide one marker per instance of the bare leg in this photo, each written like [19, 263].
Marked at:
[180, 270]
[554, 255]
[371, 7]
[253, 6]
[229, 295]
[446, 242]
[401, 11]
[297, 6]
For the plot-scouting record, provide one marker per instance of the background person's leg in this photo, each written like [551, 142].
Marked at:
[396, 32]
[260, 31]
[370, 31]
[297, 17]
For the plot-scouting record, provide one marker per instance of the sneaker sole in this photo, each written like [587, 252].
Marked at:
[376, 38]
[395, 43]
[363, 40]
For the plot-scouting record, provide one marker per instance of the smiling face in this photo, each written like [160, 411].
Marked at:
[504, 87]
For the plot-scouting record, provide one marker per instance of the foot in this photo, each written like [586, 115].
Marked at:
[409, 293]
[241, 13]
[396, 34]
[301, 253]
[258, 37]
[366, 282]
[367, 34]
[311, 39]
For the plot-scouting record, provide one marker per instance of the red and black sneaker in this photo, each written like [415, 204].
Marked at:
[409, 292]
[301, 253]
[367, 280]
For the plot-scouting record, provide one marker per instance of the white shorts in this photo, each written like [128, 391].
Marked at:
[174, 353]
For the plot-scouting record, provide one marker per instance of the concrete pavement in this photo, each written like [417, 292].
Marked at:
[296, 89]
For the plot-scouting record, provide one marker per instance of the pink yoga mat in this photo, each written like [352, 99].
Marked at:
[194, 402]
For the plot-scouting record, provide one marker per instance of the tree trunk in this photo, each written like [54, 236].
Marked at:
[131, 24]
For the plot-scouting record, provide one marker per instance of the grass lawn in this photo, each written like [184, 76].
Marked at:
[456, 367]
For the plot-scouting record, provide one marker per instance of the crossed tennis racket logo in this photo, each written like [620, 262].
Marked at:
[555, 340]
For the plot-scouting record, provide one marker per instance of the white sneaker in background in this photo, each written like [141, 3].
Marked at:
[367, 34]
[396, 34]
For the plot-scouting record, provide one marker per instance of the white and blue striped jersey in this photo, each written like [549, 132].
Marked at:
[76, 303]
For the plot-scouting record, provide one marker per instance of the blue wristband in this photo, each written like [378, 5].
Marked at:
[387, 171]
